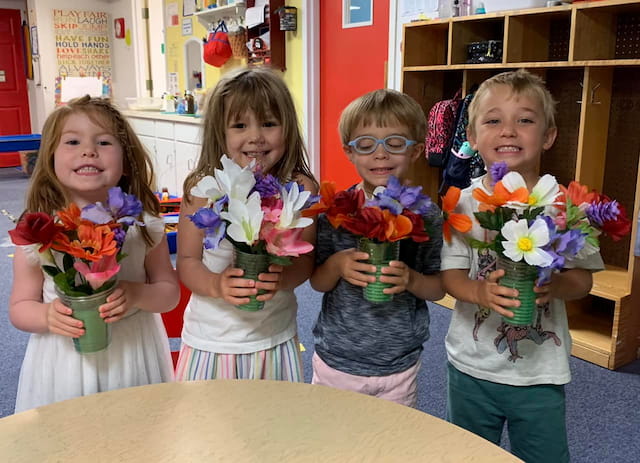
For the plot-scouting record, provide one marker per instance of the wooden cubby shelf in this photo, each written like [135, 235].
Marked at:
[589, 55]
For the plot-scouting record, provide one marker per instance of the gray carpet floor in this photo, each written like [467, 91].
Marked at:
[603, 406]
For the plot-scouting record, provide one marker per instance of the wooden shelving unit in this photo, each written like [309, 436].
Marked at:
[589, 55]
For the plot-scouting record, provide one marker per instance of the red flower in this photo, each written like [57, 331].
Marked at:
[618, 228]
[418, 233]
[35, 228]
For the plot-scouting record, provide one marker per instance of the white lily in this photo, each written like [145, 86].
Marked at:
[34, 256]
[209, 188]
[245, 218]
[235, 181]
[292, 201]
[543, 194]
[525, 242]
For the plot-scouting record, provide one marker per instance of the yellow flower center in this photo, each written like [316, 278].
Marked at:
[532, 200]
[525, 244]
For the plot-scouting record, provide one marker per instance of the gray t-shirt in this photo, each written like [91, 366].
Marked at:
[361, 338]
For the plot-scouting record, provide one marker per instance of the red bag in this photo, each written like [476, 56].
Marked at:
[217, 49]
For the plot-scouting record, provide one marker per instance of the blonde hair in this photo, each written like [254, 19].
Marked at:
[521, 82]
[264, 93]
[47, 194]
[383, 107]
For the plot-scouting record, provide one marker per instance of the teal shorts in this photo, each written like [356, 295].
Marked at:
[535, 415]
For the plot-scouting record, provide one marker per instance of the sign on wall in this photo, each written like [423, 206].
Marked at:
[83, 47]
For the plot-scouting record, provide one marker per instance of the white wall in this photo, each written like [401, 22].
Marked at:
[123, 56]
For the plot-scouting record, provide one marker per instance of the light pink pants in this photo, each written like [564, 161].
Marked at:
[398, 387]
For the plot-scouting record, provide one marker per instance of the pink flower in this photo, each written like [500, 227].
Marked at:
[272, 208]
[286, 242]
[98, 273]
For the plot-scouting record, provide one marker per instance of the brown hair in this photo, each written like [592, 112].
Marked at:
[47, 194]
[383, 107]
[265, 93]
[521, 82]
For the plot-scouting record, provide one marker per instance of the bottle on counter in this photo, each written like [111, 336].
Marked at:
[190, 102]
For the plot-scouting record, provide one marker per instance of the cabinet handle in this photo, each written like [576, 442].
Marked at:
[593, 94]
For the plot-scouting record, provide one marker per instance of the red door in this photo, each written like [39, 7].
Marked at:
[14, 101]
[352, 63]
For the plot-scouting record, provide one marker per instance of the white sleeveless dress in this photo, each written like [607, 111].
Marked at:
[138, 353]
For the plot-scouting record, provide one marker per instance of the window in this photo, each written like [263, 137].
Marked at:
[357, 13]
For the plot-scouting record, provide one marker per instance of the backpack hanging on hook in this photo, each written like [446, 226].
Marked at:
[216, 50]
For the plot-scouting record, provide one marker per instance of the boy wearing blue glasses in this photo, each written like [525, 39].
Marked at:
[374, 348]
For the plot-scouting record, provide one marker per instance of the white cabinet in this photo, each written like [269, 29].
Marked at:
[174, 147]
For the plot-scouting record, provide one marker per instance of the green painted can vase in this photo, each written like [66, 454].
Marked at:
[253, 265]
[380, 254]
[97, 333]
[520, 276]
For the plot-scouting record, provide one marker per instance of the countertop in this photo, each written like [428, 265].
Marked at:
[160, 116]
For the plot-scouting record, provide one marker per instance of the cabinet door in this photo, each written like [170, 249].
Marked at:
[149, 143]
[166, 165]
[186, 159]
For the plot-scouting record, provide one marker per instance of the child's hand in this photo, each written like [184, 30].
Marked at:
[118, 303]
[543, 292]
[269, 282]
[496, 297]
[352, 270]
[233, 288]
[61, 322]
[398, 274]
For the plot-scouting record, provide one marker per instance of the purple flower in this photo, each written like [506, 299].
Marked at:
[121, 207]
[397, 198]
[497, 171]
[214, 227]
[266, 185]
[602, 212]
[119, 235]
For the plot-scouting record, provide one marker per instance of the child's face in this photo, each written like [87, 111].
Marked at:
[248, 139]
[375, 168]
[511, 128]
[87, 160]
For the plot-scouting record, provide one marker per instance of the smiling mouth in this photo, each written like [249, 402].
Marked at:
[382, 170]
[87, 170]
[255, 154]
[508, 149]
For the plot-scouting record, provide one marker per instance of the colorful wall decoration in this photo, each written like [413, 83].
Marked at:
[83, 46]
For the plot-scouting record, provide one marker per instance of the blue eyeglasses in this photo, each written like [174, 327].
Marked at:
[394, 144]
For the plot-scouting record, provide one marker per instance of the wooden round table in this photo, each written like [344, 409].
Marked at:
[236, 421]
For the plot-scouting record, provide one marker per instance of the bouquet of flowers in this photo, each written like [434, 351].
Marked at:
[81, 251]
[536, 232]
[258, 215]
[394, 213]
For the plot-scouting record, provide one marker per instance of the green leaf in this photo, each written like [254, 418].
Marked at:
[51, 270]
[67, 262]
[477, 244]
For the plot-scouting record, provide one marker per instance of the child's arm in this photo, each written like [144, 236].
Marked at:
[160, 293]
[228, 285]
[27, 312]
[568, 285]
[485, 293]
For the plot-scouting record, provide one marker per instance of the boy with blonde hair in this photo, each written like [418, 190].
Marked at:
[499, 372]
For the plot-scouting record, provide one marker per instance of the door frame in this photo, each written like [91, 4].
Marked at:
[311, 69]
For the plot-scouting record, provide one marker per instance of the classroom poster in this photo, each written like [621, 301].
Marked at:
[83, 46]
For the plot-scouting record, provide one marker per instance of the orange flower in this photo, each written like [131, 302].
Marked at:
[70, 217]
[93, 242]
[459, 222]
[499, 197]
[398, 226]
[577, 193]
[327, 197]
